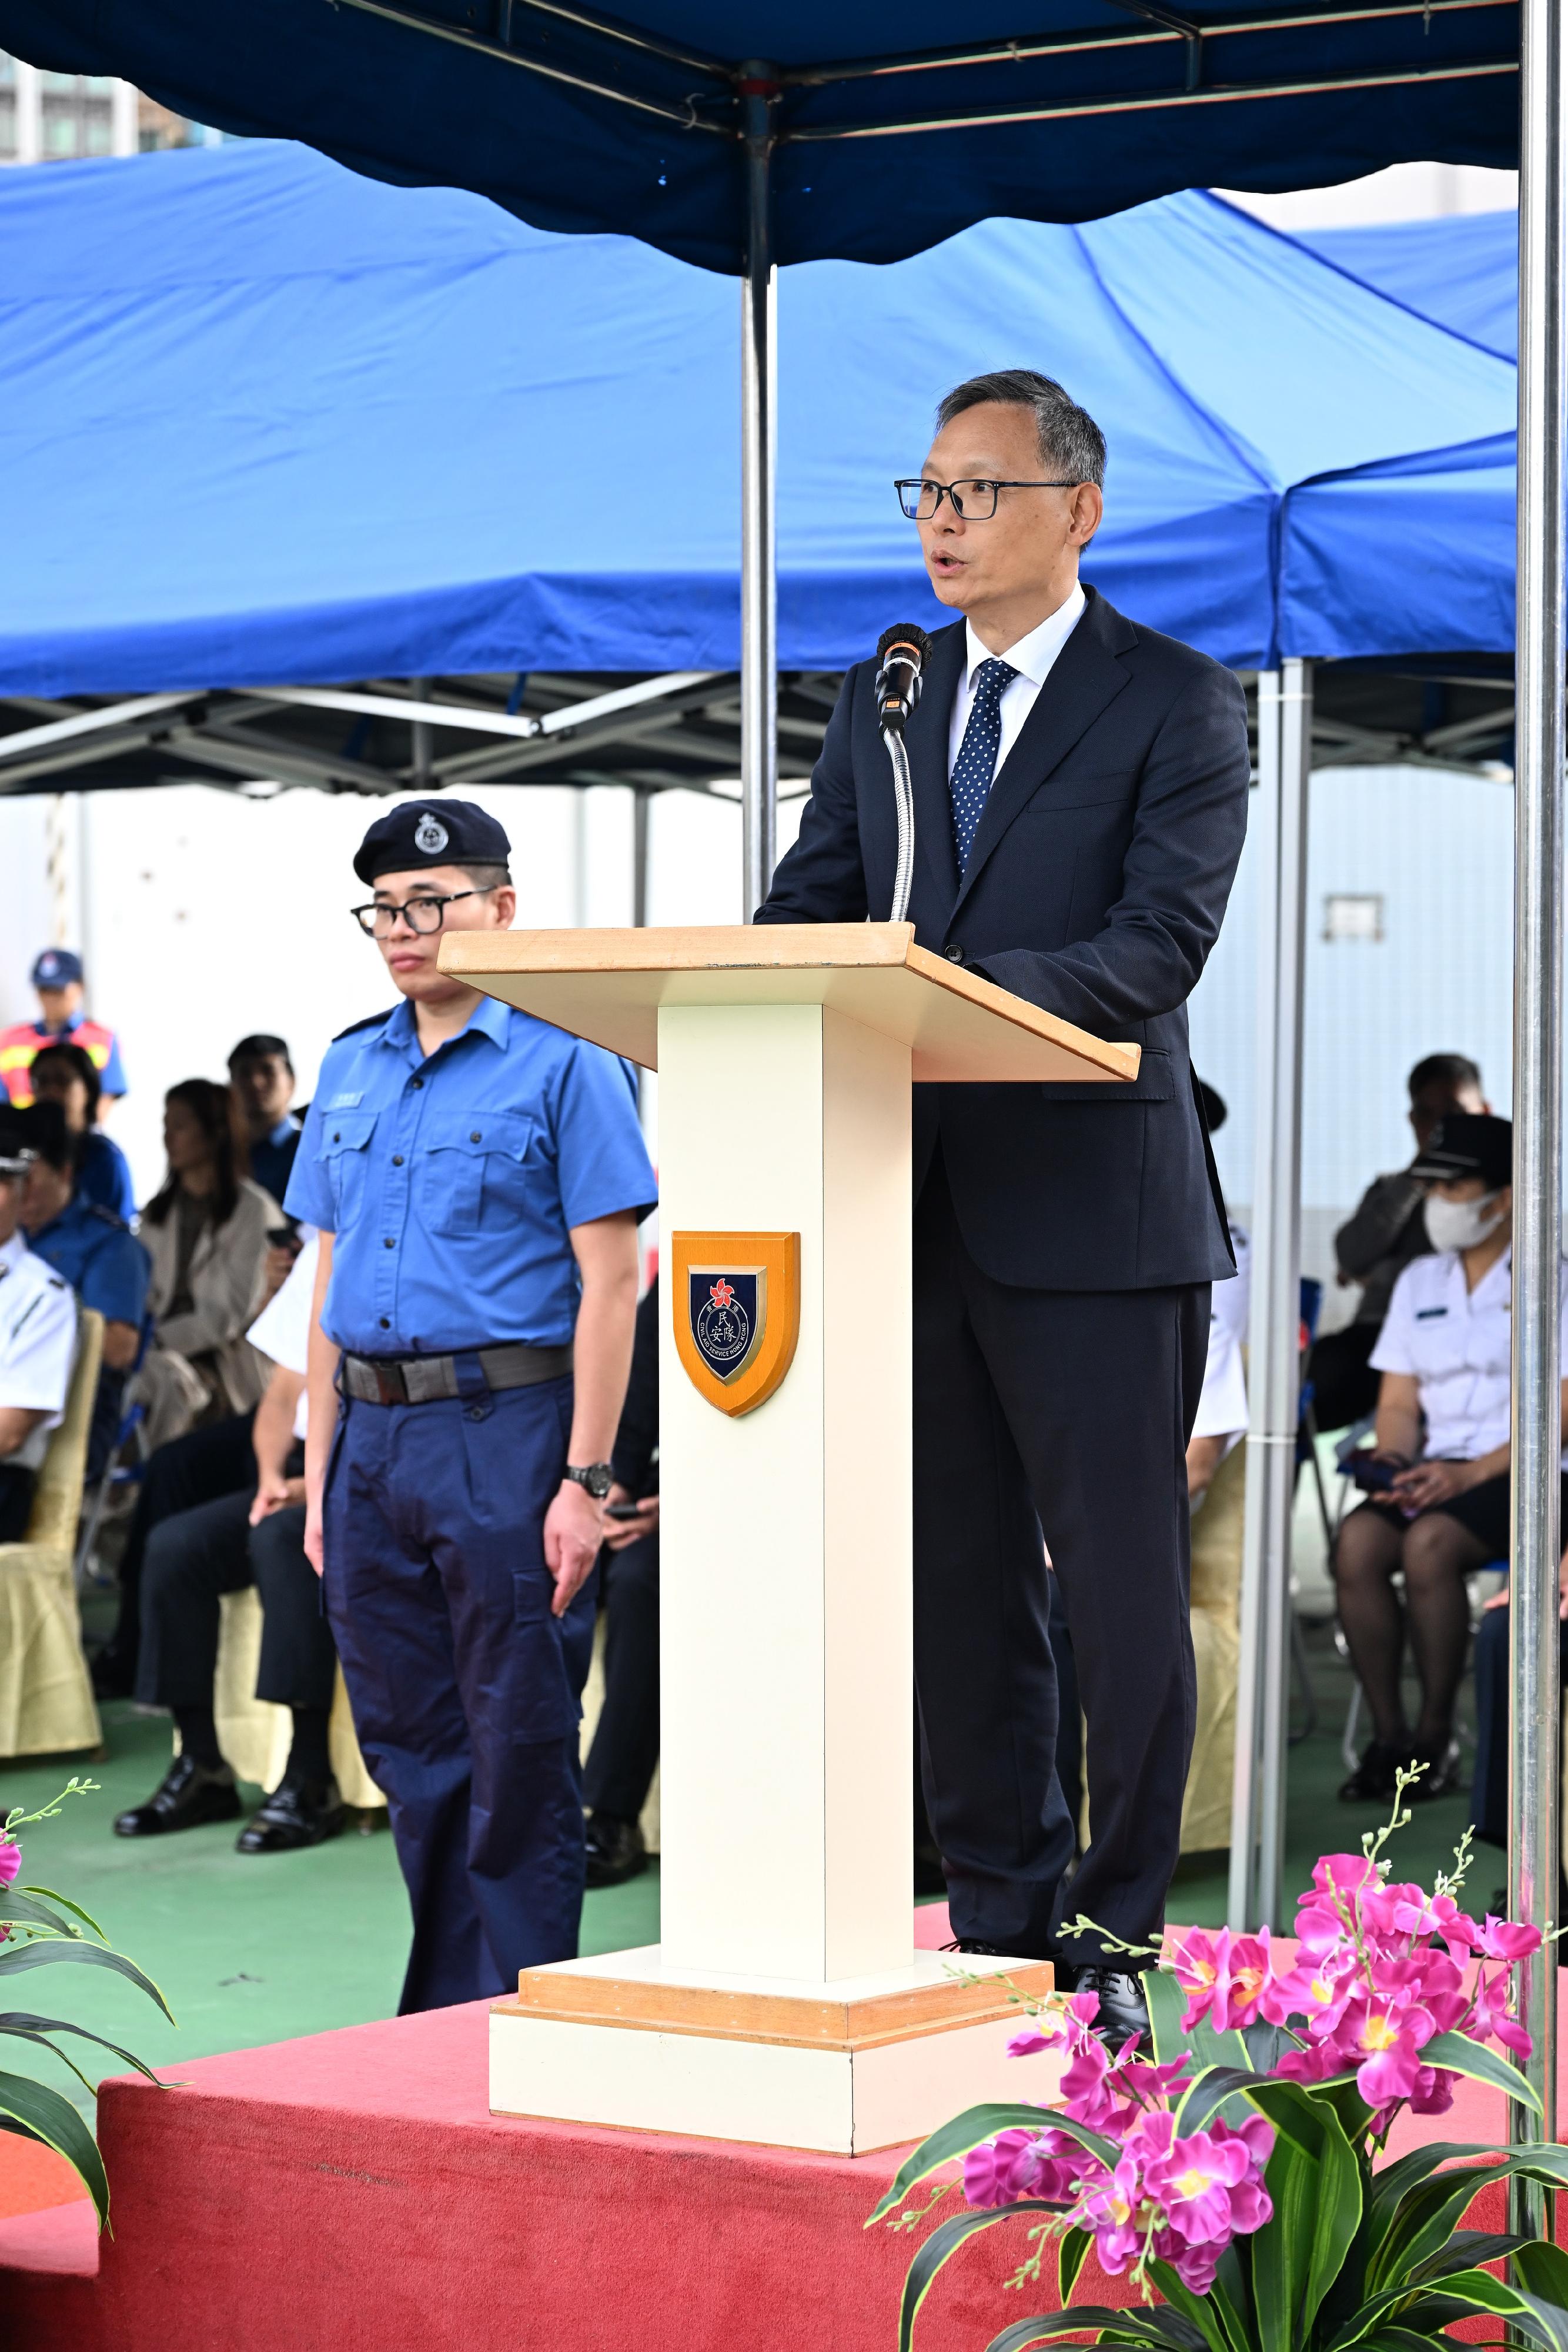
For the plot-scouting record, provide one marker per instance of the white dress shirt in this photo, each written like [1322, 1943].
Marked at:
[282, 1329]
[1033, 657]
[1222, 1407]
[38, 1345]
[1455, 1342]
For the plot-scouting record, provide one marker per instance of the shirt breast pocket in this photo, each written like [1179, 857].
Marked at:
[476, 1171]
[345, 1155]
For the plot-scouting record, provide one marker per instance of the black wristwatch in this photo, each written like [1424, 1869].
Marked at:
[595, 1477]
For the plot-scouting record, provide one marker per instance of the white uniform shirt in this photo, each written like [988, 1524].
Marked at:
[1455, 1344]
[282, 1329]
[38, 1345]
[1222, 1407]
[1033, 657]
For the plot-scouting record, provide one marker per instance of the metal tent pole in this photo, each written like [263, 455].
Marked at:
[759, 397]
[641, 796]
[1533, 1853]
[1258, 1801]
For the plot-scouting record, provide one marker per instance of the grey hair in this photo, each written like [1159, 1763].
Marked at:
[1070, 443]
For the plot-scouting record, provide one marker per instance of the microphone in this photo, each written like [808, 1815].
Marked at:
[901, 653]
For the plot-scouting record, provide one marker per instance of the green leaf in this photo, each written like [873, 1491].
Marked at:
[1203, 2046]
[21, 1911]
[1281, 2251]
[1212, 2318]
[1123, 2327]
[1390, 2182]
[20, 2021]
[1459, 2295]
[1337, 2220]
[1295, 2116]
[1463, 2056]
[67, 1904]
[937, 2249]
[1467, 2250]
[971, 2129]
[1071, 2255]
[1542, 2269]
[1221, 2087]
[53, 2119]
[16, 1957]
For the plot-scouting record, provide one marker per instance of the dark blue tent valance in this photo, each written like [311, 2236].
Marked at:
[892, 128]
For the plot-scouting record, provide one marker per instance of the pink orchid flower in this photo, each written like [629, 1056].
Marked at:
[10, 1862]
[1508, 1939]
[1383, 2040]
[1193, 2181]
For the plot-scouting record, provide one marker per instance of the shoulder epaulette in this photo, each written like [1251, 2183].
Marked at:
[97, 1208]
[370, 1021]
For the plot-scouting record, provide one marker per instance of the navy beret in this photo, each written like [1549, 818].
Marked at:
[431, 832]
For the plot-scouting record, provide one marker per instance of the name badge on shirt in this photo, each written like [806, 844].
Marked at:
[1429, 1314]
[345, 1102]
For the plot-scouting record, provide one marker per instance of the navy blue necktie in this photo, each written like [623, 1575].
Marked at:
[977, 763]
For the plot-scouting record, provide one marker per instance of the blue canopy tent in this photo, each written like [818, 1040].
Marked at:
[1462, 270]
[269, 423]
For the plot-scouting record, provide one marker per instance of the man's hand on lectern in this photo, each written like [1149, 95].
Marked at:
[574, 1529]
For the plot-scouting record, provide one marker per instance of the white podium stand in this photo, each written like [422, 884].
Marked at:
[786, 2004]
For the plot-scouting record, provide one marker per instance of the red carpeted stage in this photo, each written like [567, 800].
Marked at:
[352, 2188]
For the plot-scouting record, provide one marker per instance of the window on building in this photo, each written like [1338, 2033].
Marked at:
[1353, 914]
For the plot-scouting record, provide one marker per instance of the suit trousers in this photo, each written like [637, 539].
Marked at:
[620, 1768]
[1068, 1411]
[192, 1560]
[466, 1690]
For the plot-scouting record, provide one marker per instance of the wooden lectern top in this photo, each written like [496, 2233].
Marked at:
[607, 986]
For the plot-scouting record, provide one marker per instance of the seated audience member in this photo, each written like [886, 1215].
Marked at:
[1376, 1246]
[1437, 1483]
[625, 1751]
[206, 1234]
[38, 1340]
[59, 981]
[95, 1252]
[65, 1073]
[262, 1077]
[254, 1536]
[215, 1460]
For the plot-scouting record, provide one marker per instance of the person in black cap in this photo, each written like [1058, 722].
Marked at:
[1437, 1479]
[38, 1337]
[477, 1178]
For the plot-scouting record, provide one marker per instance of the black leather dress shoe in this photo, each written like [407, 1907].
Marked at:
[1122, 2011]
[189, 1794]
[615, 1849]
[991, 1951]
[300, 1813]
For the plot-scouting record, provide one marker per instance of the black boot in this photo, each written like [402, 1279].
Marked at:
[615, 1849]
[189, 1794]
[298, 1813]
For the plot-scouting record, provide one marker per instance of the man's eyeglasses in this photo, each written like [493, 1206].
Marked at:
[424, 915]
[972, 501]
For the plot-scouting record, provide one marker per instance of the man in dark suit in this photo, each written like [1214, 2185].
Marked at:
[1080, 799]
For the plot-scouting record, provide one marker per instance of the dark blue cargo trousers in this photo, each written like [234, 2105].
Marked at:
[466, 1691]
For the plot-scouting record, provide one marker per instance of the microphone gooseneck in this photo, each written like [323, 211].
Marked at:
[902, 652]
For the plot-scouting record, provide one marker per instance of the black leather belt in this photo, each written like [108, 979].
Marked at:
[419, 1379]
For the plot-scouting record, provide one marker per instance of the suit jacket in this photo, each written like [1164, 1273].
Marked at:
[1099, 875]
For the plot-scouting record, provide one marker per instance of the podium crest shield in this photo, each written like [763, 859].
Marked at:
[736, 1298]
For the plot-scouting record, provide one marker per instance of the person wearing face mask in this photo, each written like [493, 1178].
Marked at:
[1437, 1481]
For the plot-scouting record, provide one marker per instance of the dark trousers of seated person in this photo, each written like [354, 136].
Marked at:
[193, 1559]
[16, 1488]
[198, 1468]
[625, 1751]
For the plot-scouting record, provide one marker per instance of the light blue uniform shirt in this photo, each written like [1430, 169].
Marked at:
[451, 1180]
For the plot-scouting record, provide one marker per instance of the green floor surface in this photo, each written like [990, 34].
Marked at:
[256, 1950]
